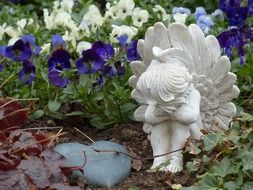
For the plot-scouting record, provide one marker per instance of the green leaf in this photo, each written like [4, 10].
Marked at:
[134, 188]
[191, 167]
[247, 186]
[37, 114]
[231, 185]
[246, 117]
[223, 168]
[99, 123]
[208, 182]
[211, 140]
[53, 106]
[74, 113]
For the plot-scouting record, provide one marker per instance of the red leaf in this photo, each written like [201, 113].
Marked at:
[15, 180]
[60, 186]
[37, 171]
[12, 113]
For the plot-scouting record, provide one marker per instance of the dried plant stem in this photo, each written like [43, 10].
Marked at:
[40, 128]
[84, 134]
[7, 80]
[134, 157]
[55, 136]
[15, 100]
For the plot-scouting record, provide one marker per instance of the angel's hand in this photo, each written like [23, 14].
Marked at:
[190, 112]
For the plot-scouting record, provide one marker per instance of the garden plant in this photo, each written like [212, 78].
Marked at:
[64, 60]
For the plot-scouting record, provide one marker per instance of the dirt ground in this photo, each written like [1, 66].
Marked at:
[133, 138]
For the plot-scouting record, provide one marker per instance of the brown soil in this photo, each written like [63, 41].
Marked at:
[132, 137]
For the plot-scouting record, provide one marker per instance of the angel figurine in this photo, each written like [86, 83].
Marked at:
[182, 84]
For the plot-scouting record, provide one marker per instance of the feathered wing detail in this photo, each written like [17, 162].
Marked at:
[188, 47]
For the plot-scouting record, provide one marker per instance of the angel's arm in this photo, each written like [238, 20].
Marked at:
[190, 112]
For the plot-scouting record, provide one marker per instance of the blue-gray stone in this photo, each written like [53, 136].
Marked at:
[103, 168]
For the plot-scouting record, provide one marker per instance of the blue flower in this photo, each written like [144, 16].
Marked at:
[20, 51]
[199, 12]
[30, 39]
[2, 51]
[108, 70]
[58, 42]
[56, 78]
[236, 13]
[27, 73]
[105, 51]
[132, 53]
[122, 40]
[90, 63]
[250, 7]
[181, 10]
[119, 66]
[236, 37]
[205, 23]
[60, 59]
[217, 13]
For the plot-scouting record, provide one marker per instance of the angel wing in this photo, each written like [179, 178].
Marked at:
[201, 55]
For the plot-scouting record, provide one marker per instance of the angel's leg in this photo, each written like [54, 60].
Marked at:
[179, 135]
[160, 142]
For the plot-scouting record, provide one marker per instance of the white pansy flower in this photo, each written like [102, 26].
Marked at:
[30, 21]
[139, 17]
[2, 30]
[12, 32]
[67, 5]
[69, 37]
[111, 12]
[159, 9]
[117, 31]
[92, 18]
[81, 46]
[21, 23]
[48, 19]
[12, 41]
[45, 48]
[178, 17]
[62, 18]
[124, 8]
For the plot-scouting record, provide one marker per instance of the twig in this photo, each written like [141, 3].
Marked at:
[55, 136]
[134, 157]
[84, 134]
[15, 100]
[41, 128]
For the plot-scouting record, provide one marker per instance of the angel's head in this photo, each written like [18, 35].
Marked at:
[163, 87]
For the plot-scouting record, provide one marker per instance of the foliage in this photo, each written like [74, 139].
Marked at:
[26, 159]
[223, 160]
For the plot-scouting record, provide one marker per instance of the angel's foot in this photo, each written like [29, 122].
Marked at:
[160, 163]
[175, 165]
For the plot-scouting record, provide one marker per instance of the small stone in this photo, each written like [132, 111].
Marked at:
[105, 166]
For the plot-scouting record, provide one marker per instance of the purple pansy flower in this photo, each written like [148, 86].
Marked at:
[105, 51]
[90, 63]
[119, 66]
[250, 7]
[60, 60]
[132, 53]
[58, 42]
[108, 70]
[20, 51]
[30, 39]
[236, 38]
[237, 15]
[27, 73]
[56, 78]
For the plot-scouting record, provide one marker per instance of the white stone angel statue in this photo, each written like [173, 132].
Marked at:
[183, 85]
